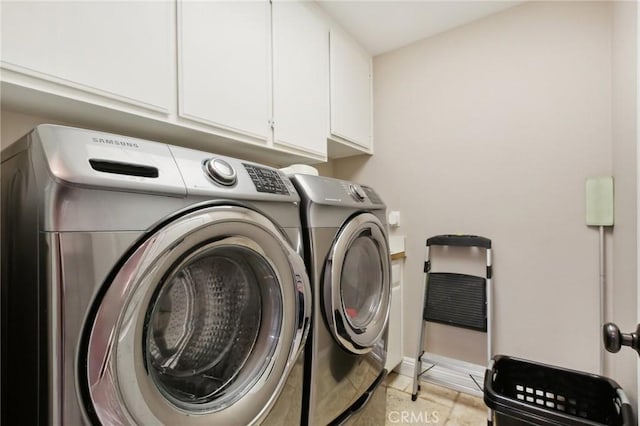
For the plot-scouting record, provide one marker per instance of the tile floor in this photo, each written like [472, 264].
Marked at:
[435, 405]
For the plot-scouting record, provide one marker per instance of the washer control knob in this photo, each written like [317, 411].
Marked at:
[221, 171]
[357, 192]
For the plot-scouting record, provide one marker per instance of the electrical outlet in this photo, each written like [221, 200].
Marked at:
[394, 219]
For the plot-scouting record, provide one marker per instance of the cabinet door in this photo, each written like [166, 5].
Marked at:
[121, 50]
[224, 62]
[300, 77]
[350, 78]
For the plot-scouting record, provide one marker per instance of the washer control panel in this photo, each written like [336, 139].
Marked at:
[266, 180]
[221, 171]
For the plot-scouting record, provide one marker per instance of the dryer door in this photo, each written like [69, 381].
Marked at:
[201, 324]
[357, 284]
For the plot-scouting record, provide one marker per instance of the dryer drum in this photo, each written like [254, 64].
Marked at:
[204, 323]
[361, 285]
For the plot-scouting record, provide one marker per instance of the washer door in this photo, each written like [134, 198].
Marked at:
[357, 284]
[201, 324]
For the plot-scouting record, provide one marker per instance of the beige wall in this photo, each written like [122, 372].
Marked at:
[491, 129]
[14, 125]
[625, 164]
[325, 169]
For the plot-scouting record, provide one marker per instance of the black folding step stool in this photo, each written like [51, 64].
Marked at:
[459, 300]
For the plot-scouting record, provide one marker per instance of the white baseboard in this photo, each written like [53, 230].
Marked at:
[447, 372]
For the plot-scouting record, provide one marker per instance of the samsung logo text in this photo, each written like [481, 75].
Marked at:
[116, 142]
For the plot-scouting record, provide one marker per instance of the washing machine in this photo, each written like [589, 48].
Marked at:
[148, 284]
[349, 267]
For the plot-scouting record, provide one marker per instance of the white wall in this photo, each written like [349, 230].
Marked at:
[492, 129]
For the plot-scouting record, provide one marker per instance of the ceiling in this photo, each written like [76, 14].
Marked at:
[381, 26]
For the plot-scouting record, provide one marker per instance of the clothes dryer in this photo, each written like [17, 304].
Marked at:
[349, 267]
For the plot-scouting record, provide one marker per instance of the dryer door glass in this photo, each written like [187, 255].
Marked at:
[205, 322]
[361, 283]
[357, 284]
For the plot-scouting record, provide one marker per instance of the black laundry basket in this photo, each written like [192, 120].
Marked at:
[523, 392]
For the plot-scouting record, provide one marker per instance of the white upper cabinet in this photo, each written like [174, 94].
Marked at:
[300, 77]
[351, 100]
[224, 61]
[119, 50]
[277, 80]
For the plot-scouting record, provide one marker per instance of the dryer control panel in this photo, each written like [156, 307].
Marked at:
[336, 192]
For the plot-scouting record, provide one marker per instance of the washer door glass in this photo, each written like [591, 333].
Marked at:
[357, 284]
[201, 324]
[204, 324]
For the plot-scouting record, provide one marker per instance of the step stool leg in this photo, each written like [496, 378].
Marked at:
[418, 365]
